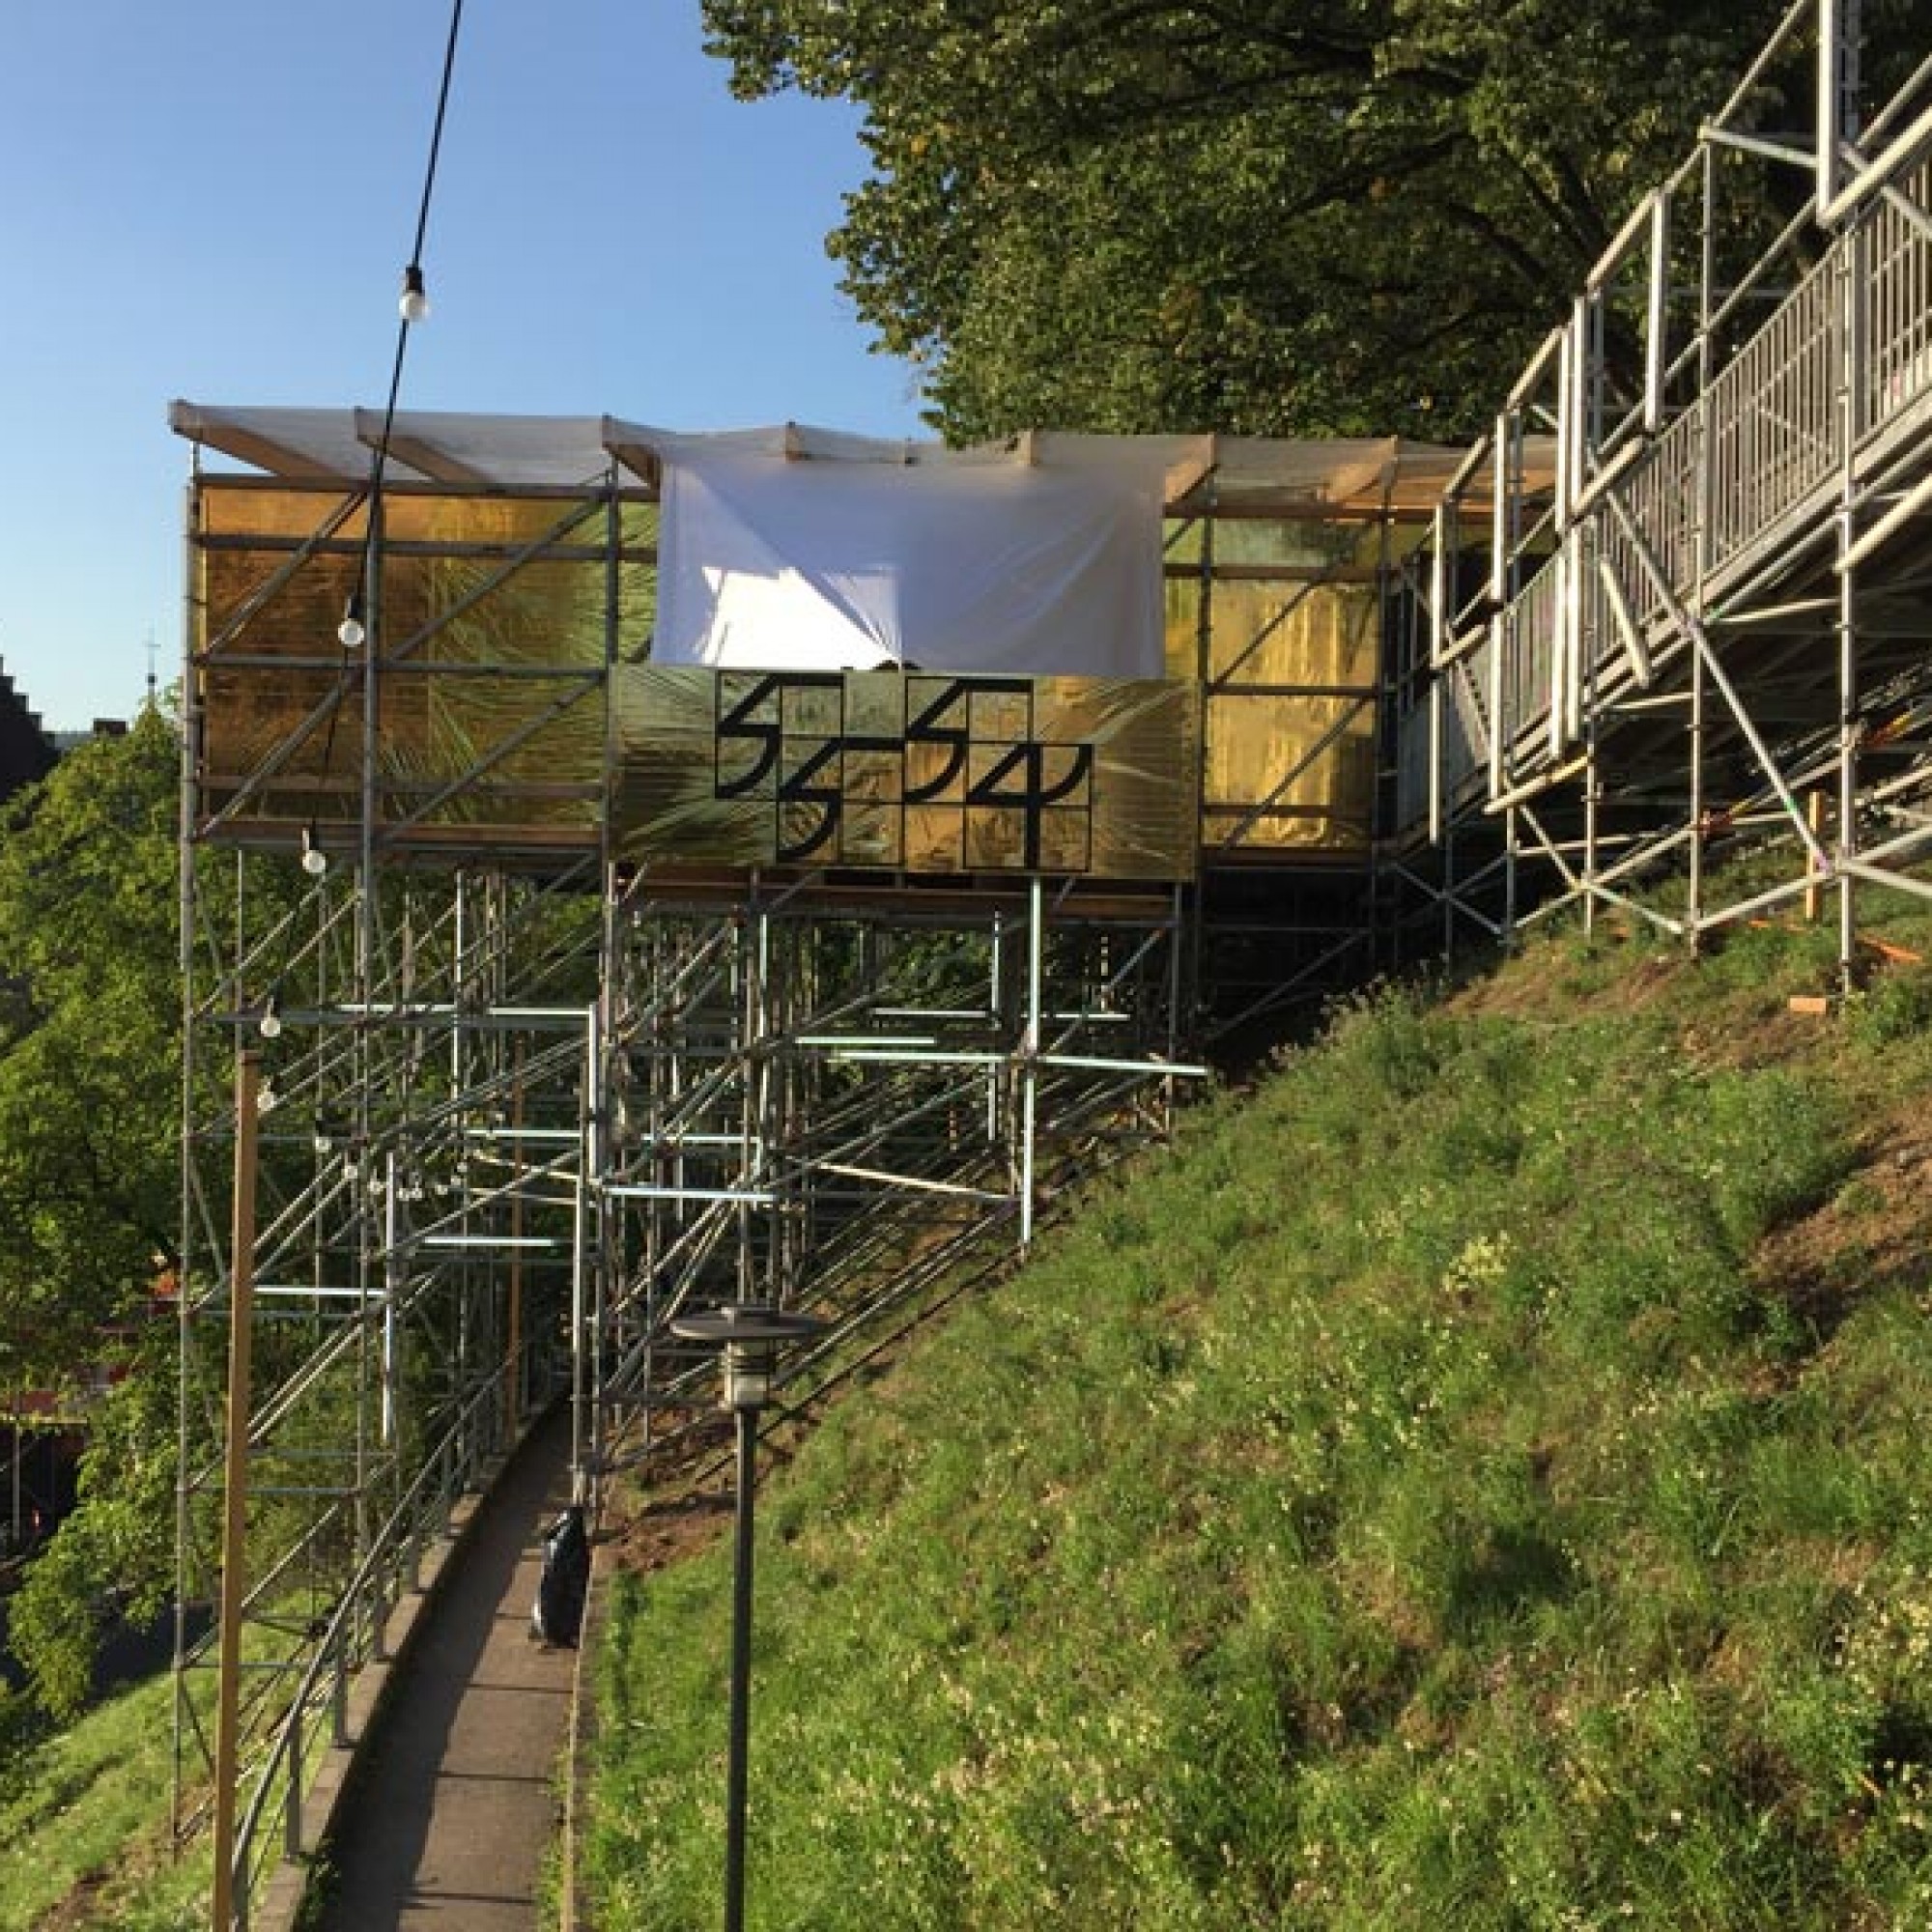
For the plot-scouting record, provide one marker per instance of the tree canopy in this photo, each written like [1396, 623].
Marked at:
[1281, 217]
[90, 1063]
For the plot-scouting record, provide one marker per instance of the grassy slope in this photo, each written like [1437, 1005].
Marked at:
[84, 1821]
[1478, 1481]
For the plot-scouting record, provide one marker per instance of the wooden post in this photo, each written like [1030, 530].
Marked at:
[235, 1484]
[513, 1350]
[1814, 817]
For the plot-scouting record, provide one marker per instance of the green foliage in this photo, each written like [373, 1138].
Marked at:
[1331, 217]
[90, 1056]
[90, 1085]
[1896, 1008]
[115, 1553]
[83, 1818]
[1415, 1503]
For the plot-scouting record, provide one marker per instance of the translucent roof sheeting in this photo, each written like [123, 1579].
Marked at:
[1234, 475]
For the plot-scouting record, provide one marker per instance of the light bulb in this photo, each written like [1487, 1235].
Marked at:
[414, 303]
[349, 633]
[315, 861]
[270, 1025]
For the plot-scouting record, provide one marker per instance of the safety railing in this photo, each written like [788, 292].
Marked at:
[1661, 495]
[1773, 417]
[1897, 261]
[1465, 730]
[1526, 667]
[1761, 448]
[354, 1636]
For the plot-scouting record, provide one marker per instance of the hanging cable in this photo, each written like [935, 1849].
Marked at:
[412, 307]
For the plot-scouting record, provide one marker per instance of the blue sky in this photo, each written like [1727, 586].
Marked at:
[214, 199]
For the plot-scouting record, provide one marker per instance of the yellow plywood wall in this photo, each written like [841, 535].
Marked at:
[509, 612]
[501, 616]
[1289, 656]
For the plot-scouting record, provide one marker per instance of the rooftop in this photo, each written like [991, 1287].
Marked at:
[1229, 475]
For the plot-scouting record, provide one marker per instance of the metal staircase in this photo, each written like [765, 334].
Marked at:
[1692, 610]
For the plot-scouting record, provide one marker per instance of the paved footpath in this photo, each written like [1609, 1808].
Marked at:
[454, 1802]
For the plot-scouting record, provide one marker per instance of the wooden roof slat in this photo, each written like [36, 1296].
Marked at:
[417, 452]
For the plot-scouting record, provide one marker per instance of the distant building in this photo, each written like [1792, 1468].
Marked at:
[27, 753]
[65, 741]
[41, 1441]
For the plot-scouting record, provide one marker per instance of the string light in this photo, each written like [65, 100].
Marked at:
[352, 634]
[270, 1022]
[314, 860]
[414, 303]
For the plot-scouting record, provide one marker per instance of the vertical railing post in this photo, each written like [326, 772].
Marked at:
[1030, 1045]
[1838, 83]
[378, 1617]
[338, 1697]
[1855, 292]
[292, 1834]
[227, 1911]
[580, 1393]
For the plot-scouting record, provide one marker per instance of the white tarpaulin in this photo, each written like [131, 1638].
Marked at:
[825, 565]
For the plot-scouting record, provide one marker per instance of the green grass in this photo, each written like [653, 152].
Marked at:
[1476, 1481]
[85, 1834]
[87, 1806]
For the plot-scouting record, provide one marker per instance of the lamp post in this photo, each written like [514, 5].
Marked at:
[750, 1336]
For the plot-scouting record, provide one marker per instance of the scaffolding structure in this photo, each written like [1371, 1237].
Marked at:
[575, 994]
[1704, 623]
[588, 993]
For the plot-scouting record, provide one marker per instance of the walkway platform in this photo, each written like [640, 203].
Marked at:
[454, 1802]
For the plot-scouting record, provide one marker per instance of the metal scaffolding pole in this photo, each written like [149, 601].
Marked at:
[1717, 548]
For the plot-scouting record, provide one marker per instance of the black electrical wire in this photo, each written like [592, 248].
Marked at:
[413, 268]
[379, 461]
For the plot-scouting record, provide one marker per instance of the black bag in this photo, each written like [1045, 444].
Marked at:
[563, 1580]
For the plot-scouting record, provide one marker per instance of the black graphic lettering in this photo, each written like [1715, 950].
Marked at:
[806, 775]
[799, 788]
[926, 729]
[1034, 794]
[738, 726]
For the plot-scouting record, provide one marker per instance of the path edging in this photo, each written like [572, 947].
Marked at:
[283, 1896]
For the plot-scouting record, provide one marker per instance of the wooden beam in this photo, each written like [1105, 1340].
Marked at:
[418, 453]
[279, 459]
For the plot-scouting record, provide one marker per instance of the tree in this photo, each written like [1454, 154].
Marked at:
[115, 1553]
[90, 1097]
[1292, 217]
[90, 1056]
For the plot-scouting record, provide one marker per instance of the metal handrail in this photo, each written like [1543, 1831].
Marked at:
[1773, 426]
[1708, 496]
[448, 1469]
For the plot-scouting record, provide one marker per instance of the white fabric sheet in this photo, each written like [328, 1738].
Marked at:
[827, 564]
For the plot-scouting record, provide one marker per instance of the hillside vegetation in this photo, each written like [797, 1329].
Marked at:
[84, 1836]
[1477, 1480]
